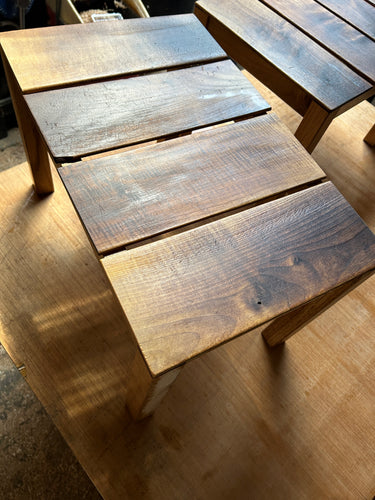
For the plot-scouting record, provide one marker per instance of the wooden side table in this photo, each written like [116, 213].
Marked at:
[59, 57]
[223, 225]
[318, 56]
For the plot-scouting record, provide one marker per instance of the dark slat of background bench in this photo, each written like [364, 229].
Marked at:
[135, 195]
[318, 72]
[82, 120]
[337, 36]
[80, 53]
[206, 286]
[359, 13]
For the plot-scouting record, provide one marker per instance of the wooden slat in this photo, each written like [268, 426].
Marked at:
[320, 74]
[189, 293]
[82, 120]
[62, 55]
[341, 39]
[135, 195]
[359, 13]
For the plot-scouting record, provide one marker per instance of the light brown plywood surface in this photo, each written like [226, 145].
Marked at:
[294, 422]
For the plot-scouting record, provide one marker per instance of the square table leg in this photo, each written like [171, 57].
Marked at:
[145, 392]
[313, 125]
[291, 322]
[370, 137]
[35, 149]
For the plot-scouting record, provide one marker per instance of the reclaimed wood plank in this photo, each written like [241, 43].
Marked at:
[63, 55]
[359, 13]
[317, 72]
[189, 293]
[107, 115]
[142, 193]
[340, 38]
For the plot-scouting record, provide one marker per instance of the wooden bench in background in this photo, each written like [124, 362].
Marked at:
[317, 55]
[210, 233]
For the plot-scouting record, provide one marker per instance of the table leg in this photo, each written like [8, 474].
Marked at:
[290, 323]
[313, 125]
[144, 392]
[35, 149]
[370, 137]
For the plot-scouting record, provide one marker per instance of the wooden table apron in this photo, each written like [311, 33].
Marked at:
[318, 56]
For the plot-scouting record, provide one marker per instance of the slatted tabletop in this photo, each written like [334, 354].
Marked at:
[207, 236]
[226, 223]
[335, 34]
[285, 33]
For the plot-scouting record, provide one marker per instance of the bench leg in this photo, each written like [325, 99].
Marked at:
[35, 149]
[313, 125]
[144, 392]
[290, 323]
[370, 137]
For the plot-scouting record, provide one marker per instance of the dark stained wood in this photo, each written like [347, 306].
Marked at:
[340, 38]
[256, 64]
[288, 324]
[90, 118]
[135, 195]
[191, 292]
[61, 55]
[317, 72]
[359, 13]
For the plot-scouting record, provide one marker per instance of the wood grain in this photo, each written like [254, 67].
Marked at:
[359, 13]
[145, 393]
[131, 196]
[256, 64]
[370, 136]
[340, 38]
[295, 421]
[35, 149]
[63, 55]
[317, 72]
[91, 118]
[288, 324]
[313, 125]
[191, 292]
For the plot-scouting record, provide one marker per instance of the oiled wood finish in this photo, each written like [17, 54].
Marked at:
[296, 421]
[135, 195]
[90, 118]
[358, 13]
[144, 393]
[256, 64]
[35, 149]
[340, 38]
[282, 328]
[313, 125]
[370, 136]
[191, 292]
[288, 49]
[61, 55]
